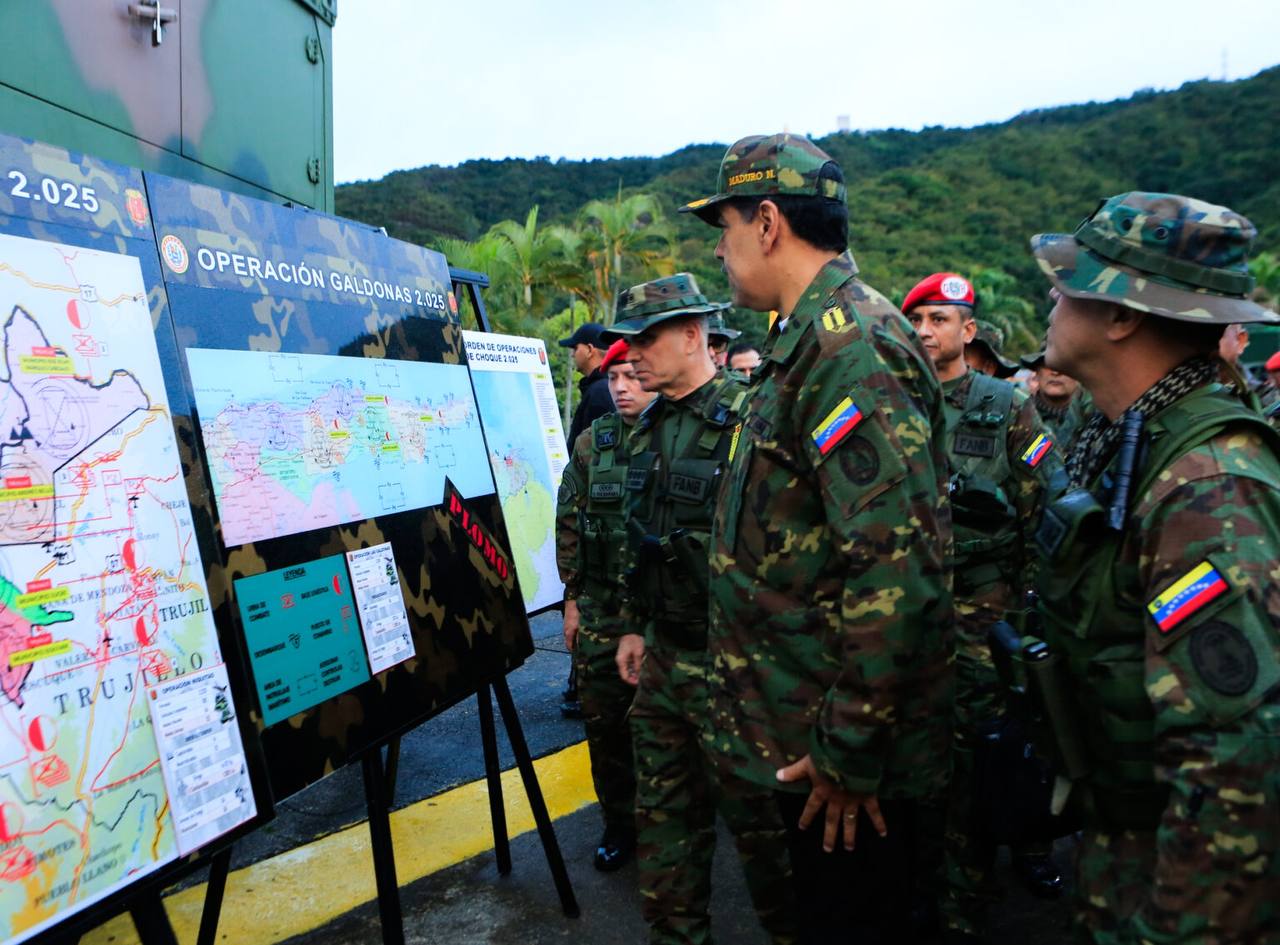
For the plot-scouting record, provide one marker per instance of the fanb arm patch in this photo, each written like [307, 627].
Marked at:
[1191, 592]
[838, 424]
[1037, 451]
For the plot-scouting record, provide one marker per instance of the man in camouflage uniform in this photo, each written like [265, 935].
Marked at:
[1003, 463]
[678, 449]
[831, 616]
[718, 337]
[1159, 595]
[1231, 348]
[1062, 403]
[589, 541]
[985, 351]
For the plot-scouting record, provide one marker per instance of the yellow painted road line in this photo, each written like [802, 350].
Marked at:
[307, 887]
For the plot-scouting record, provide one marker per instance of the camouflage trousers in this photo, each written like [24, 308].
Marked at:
[606, 700]
[969, 887]
[1114, 888]
[676, 803]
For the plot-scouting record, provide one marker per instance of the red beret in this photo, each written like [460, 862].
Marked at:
[941, 288]
[1273, 362]
[616, 353]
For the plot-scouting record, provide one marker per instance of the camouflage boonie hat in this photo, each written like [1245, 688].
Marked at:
[991, 338]
[651, 303]
[766, 165]
[716, 328]
[1165, 254]
[1033, 360]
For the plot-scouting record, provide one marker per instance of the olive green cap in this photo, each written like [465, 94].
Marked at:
[1166, 254]
[716, 328]
[651, 303]
[991, 338]
[767, 165]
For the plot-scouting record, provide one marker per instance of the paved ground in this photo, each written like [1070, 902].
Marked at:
[466, 901]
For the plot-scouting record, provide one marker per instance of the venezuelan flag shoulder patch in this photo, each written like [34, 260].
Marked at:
[1186, 595]
[836, 425]
[1037, 451]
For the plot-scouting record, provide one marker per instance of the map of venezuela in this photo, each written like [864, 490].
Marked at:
[297, 442]
[102, 594]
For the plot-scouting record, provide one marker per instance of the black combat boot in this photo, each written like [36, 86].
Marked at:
[615, 849]
[1039, 875]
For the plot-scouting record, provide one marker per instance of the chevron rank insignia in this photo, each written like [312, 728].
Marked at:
[1037, 451]
[836, 425]
[834, 319]
[1186, 595]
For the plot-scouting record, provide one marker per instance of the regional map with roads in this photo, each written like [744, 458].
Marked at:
[120, 750]
[297, 442]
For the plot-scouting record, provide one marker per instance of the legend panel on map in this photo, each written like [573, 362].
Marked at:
[302, 634]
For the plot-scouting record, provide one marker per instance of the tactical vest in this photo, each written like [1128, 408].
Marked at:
[672, 481]
[601, 530]
[983, 514]
[1088, 621]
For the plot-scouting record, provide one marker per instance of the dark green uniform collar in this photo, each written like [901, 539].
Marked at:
[957, 388]
[816, 299]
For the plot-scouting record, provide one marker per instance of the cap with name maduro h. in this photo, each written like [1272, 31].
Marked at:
[769, 165]
[1169, 255]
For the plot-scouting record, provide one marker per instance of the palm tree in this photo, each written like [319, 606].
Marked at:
[623, 240]
[496, 259]
[533, 252]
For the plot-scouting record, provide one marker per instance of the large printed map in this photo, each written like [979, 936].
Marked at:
[526, 450]
[103, 605]
[297, 442]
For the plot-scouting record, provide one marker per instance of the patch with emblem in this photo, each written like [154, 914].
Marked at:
[1037, 451]
[861, 461]
[834, 319]
[760, 426]
[606, 490]
[836, 425]
[606, 438]
[638, 471]
[568, 490]
[1223, 658]
[968, 444]
[1186, 595]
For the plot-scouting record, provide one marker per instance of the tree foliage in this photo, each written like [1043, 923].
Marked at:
[965, 200]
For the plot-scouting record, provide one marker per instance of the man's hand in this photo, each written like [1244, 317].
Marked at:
[842, 807]
[630, 656]
[572, 620]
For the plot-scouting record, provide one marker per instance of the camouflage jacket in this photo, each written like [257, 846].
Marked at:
[678, 450]
[831, 612]
[589, 514]
[1002, 464]
[1171, 632]
[1065, 422]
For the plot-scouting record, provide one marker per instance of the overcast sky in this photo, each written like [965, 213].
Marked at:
[439, 81]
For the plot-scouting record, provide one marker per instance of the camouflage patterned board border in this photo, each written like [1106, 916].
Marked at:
[339, 288]
[51, 194]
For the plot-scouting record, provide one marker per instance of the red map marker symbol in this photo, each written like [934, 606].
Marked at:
[42, 733]
[10, 821]
[77, 315]
[127, 553]
[337, 587]
[140, 631]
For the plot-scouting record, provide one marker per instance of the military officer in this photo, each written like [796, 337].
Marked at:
[985, 352]
[718, 337]
[1158, 595]
[1062, 403]
[831, 613]
[589, 540]
[1003, 462]
[678, 450]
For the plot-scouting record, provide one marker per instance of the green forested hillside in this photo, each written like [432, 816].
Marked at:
[962, 199]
